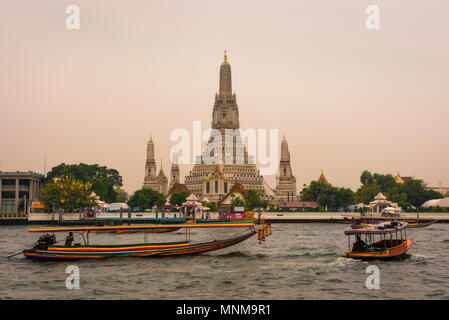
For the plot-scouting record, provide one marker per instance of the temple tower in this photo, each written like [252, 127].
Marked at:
[156, 182]
[162, 181]
[286, 181]
[213, 179]
[150, 167]
[174, 172]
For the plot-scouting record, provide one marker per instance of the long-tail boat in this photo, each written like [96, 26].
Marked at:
[363, 221]
[386, 240]
[47, 249]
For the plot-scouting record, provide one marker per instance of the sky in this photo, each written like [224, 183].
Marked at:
[347, 98]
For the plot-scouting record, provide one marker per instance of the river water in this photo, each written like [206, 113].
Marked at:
[299, 261]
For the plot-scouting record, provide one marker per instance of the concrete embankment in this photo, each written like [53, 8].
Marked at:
[336, 217]
[150, 218]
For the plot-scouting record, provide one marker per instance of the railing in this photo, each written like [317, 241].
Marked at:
[13, 216]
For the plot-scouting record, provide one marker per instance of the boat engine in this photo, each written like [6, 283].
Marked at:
[44, 241]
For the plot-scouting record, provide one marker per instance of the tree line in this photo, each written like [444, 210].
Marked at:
[70, 186]
[407, 195]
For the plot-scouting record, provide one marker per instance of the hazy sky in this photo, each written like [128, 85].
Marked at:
[347, 98]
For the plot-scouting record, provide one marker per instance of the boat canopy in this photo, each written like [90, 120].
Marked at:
[381, 228]
[233, 224]
[382, 218]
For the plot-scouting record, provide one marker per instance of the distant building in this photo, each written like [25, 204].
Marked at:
[401, 180]
[16, 187]
[443, 190]
[298, 205]
[322, 179]
[442, 203]
[237, 190]
[380, 202]
[176, 187]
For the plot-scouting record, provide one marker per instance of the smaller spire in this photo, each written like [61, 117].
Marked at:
[151, 137]
[225, 56]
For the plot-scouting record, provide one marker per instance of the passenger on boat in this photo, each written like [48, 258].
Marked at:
[359, 245]
[69, 239]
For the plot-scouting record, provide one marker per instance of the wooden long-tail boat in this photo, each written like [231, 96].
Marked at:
[363, 221]
[391, 241]
[47, 249]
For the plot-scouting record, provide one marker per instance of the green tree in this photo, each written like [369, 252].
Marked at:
[327, 195]
[366, 177]
[146, 198]
[67, 193]
[104, 180]
[252, 200]
[211, 205]
[237, 201]
[411, 193]
[416, 192]
[179, 197]
[122, 195]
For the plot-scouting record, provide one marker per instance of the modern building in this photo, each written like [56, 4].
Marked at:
[286, 181]
[17, 186]
[214, 179]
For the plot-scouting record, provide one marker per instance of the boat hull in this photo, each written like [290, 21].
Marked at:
[389, 253]
[143, 250]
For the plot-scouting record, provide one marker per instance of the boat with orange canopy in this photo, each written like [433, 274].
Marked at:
[386, 240]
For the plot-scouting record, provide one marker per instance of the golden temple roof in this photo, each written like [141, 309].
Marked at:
[322, 179]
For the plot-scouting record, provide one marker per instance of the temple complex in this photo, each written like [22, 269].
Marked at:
[286, 181]
[213, 179]
[225, 162]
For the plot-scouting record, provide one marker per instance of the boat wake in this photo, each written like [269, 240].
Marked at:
[234, 254]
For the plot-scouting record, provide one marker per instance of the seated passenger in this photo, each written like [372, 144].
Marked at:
[359, 245]
[69, 239]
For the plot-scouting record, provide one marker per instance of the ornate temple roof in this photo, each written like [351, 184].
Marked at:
[176, 187]
[322, 179]
[236, 188]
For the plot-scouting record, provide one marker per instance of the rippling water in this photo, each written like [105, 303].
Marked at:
[299, 261]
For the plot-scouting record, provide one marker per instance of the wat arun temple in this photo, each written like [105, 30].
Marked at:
[213, 180]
